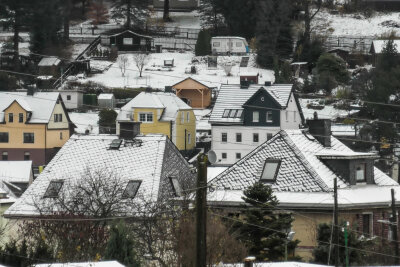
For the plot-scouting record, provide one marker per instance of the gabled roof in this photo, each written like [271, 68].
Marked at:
[169, 102]
[49, 61]
[379, 45]
[190, 78]
[40, 104]
[231, 96]
[142, 160]
[301, 169]
[15, 177]
[134, 33]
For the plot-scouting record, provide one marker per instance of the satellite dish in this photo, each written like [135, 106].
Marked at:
[212, 157]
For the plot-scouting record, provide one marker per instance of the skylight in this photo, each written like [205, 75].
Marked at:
[131, 189]
[270, 170]
[232, 113]
[53, 189]
[115, 144]
[176, 187]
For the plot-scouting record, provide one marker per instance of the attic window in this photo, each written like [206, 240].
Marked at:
[360, 172]
[270, 170]
[176, 187]
[53, 189]
[131, 189]
[115, 144]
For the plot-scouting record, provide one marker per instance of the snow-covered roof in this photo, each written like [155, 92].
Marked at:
[40, 104]
[343, 130]
[82, 264]
[169, 102]
[134, 33]
[142, 160]
[49, 61]
[379, 45]
[228, 37]
[300, 170]
[15, 171]
[231, 96]
[105, 96]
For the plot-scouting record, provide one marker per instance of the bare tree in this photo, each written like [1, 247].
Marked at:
[123, 63]
[309, 14]
[141, 59]
[227, 68]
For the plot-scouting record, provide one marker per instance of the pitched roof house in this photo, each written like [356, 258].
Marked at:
[15, 177]
[194, 93]
[301, 167]
[147, 167]
[32, 127]
[246, 115]
[162, 113]
[377, 48]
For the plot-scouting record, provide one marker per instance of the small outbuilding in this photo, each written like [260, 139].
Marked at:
[73, 99]
[106, 101]
[50, 66]
[377, 48]
[131, 41]
[194, 93]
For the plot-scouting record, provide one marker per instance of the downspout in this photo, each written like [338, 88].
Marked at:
[170, 131]
[45, 145]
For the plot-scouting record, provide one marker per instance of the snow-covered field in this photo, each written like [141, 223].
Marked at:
[355, 24]
[182, 61]
[85, 121]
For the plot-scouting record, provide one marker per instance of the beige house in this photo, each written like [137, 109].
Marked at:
[194, 93]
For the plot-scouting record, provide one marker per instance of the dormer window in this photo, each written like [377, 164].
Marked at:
[176, 187]
[270, 170]
[53, 189]
[360, 173]
[131, 189]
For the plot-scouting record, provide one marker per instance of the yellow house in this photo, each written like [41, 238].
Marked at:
[161, 113]
[32, 127]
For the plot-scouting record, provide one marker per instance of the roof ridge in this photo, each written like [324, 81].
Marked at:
[304, 161]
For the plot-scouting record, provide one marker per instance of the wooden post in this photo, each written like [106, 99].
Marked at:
[336, 224]
[201, 211]
[394, 229]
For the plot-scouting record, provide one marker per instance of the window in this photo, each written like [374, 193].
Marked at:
[57, 117]
[269, 116]
[224, 137]
[127, 41]
[238, 156]
[10, 117]
[182, 117]
[21, 117]
[187, 116]
[270, 170]
[27, 156]
[269, 136]
[367, 224]
[4, 137]
[224, 155]
[287, 115]
[238, 137]
[216, 44]
[29, 138]
[176, 187]
[131, 189]
[68, 97]
[238, 44]
[226, 113]
[232, 113]
[189, 138]
[4, 156]
[360, 172]
[146, 117]
[239, 113]
[61, 136]
[53, 189]
[294, 116]
[256, 116]
[255, 137]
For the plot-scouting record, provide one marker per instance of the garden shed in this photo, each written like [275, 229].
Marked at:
[131, 41]
[106, 101]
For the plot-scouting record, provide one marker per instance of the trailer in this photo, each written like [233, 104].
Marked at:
[228, 45]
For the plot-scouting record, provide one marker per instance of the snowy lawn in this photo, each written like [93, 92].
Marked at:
[182, 61]
[328, 112]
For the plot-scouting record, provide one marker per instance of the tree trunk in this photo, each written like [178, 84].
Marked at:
[166, 11]
[307, 23]
[128, 13]
[16, 39]
[67, 14]
[83, 7]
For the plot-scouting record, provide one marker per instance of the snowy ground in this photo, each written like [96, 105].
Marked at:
[85, 121]
[328, 112]
[182, 61]
[181, 19]
[355, 24]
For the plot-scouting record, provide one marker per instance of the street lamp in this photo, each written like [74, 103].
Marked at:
[289, 237]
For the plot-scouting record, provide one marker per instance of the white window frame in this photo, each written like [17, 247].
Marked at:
[371, 222]
[270, 161]
[241, 137]
[146, 117]
[256, 116]
[269, 134]
[187, 116]
[258, 137]
[222, 155]
[238, 44]
[267, 115]
[287, 115]
[294, 116]
[216, 44]
[238, 155]
[127, 41]
[222, 139]
[182, 117]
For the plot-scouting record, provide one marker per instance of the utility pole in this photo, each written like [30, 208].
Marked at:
[201, 210]
[346, 243]
[394, 230]
[336, 223]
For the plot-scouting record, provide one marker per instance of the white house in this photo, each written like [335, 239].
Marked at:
[245, 116]
[73, 99]
[106, 101]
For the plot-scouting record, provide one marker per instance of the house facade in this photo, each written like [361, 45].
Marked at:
[32, 127]
[194, 93]
[130, 41]
[245, 116]
[73, 99]
[106, 101]
[300, 166]
[161, 113]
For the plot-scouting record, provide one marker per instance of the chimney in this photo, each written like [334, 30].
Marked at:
[128, 129]
[249, 261]
[31, 91]
[321, 130]
[168, 89]
[268, 83]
